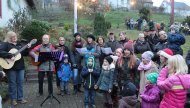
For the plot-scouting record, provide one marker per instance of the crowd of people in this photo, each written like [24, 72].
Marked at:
[149, 71]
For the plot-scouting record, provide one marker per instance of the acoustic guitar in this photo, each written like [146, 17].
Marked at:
[8, 63]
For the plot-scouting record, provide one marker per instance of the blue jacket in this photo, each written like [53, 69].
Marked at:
[90, 78]
[175, 41]
[64, 72]
[105, 81]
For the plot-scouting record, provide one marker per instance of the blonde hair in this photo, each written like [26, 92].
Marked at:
[8, 36]
[177, 65]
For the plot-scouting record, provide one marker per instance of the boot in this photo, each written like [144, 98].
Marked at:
[75, 90]
[78, 89]
[115, 101]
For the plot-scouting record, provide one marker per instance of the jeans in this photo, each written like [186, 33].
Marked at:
[77, 76]
[64, 85]
[89, 95]
[15, 81]
[41, 75]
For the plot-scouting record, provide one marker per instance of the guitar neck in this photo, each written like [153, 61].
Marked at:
[20, 50]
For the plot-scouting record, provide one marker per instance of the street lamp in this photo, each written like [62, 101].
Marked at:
[75, 16]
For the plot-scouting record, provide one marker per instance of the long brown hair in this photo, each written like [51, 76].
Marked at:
[132, 61]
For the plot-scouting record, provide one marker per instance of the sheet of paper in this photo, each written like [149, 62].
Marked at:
[81, 50]
[106, 50]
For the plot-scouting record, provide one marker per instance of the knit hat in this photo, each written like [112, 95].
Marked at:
[109, 59]
[114, 58]
[129, 46]
[175, 27]
[147, 55]
[91, 36]
[65, 57]
[152, 77]
[93, 62]
[129, 89]
[76, 34]
[166, 53]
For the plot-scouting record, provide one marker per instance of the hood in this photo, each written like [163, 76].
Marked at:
[185, 80]
[130, 100]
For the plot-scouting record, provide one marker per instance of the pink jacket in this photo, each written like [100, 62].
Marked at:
[175, 89]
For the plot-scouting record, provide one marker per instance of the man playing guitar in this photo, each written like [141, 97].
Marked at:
[16, 72]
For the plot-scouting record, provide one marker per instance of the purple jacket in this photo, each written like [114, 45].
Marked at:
[150, 97]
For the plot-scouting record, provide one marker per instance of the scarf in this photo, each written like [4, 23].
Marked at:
[145, 67]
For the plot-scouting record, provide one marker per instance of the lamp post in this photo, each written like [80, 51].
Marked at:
[75, 16]
[172, 12]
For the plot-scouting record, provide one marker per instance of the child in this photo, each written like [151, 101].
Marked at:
[129, 98]
[150, 96]
[105, 81]
[64, 74]
[174, 80]
[90, 75]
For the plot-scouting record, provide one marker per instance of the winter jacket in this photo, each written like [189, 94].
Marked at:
[175, 87]
[175, 41]
[140, 47]
[153, 40]
[5, 47]
[105, 81]
[114, 45]
[64, 72]
[45, 65]
[162, 44]
[128, 102]
[125, 73]
[150, 97]
[123, 42]
[90, 78]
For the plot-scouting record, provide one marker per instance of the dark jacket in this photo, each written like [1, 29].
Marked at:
[140, 47]
[162, 44]
[128, 102]
[175, 41]
[114, 45]
[122, 42]
[5, 47]
[90, 78]
[105, 81]
[153, 40]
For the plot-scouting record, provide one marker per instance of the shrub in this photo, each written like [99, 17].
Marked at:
[108, 24]
[36, 29]
[85, 30]
[19, 21]
[4, 90]
[100, 27]
[145, 13]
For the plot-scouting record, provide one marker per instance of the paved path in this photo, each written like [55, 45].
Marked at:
[67, 101]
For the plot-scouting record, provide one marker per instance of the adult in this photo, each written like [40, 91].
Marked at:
[113, 43]
[101, 43]
[16, 73]
[61, 47]
[153, 39]
[92, 50]
[123, 39]
[47, 67]
[162, 44]
[175, 40]
[76, 60]
[141, 45]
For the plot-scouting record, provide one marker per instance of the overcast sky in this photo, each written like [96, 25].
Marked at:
[158, 2]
